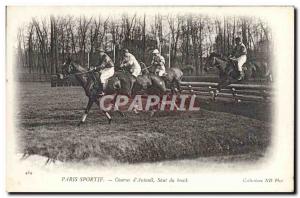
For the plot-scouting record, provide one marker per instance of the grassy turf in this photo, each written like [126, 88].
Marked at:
[47, 119]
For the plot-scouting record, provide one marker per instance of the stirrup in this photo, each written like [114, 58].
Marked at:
[101, 94]
[240, 77]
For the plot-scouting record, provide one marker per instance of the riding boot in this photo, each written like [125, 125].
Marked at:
[240, 75]
[100, 90]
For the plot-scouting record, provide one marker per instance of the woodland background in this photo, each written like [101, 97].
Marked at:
[184, 40]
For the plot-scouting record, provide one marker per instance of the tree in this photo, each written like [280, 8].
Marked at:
[174, 25]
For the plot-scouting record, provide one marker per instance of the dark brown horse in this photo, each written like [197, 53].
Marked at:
[172, 77]
[149, 83]
[87, 80]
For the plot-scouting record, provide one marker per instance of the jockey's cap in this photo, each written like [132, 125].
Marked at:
[100, 50]
[155, 51]
[125, 50]
[238, 39]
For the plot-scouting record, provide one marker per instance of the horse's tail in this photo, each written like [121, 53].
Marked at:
[262, 69]
[178, 73]
[253, 69]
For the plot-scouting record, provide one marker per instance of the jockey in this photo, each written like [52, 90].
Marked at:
[106, 66]
[129, 62]
[240, 55]
[158, 62]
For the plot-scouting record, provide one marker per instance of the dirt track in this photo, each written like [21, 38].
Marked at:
[47, 120]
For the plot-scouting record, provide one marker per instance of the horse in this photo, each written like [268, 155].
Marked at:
[227, 72]
[144, 83]
[87, 80]
[172, 77]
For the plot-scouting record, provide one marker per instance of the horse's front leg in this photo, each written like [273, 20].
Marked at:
[116, 106]
[222, 84]
[88, 107]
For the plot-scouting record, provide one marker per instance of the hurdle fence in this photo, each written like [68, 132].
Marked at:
[237, 92]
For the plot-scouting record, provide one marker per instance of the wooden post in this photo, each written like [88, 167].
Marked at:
[88, 60]
[170, 51]
[160, 47]
[114, 49]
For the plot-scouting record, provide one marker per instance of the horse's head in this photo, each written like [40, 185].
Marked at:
[66, 69]
[145, 69]
[211, 61]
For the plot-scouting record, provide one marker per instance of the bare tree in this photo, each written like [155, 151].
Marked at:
[174, 25]
[44, 43]
[82, 37]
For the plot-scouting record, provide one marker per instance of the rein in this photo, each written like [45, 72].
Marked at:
[147, 68]
[79, 73]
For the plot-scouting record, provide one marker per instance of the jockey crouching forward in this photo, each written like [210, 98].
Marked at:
[240, 55]
[130, 63]
[158, 62]
[106, 67]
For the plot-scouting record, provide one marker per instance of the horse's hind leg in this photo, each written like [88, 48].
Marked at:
[117, 107]
[89, 105]
[269, 78]
[105, 112]
[108, 116]
[173, 90]
[177, 82]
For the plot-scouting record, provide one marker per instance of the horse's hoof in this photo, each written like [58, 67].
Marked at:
[79, 123]
[25, 156]
[109, 121]
[217, 93]
[152, 113]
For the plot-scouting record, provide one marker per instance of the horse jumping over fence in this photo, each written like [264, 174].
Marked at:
[228, 74]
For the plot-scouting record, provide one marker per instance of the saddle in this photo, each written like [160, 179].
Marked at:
[233, 63]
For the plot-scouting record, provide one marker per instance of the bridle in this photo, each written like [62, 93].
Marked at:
[70, 69]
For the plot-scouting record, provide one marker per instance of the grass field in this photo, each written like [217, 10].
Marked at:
[47, 119]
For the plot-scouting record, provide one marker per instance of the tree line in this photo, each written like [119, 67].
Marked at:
[184, 40]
